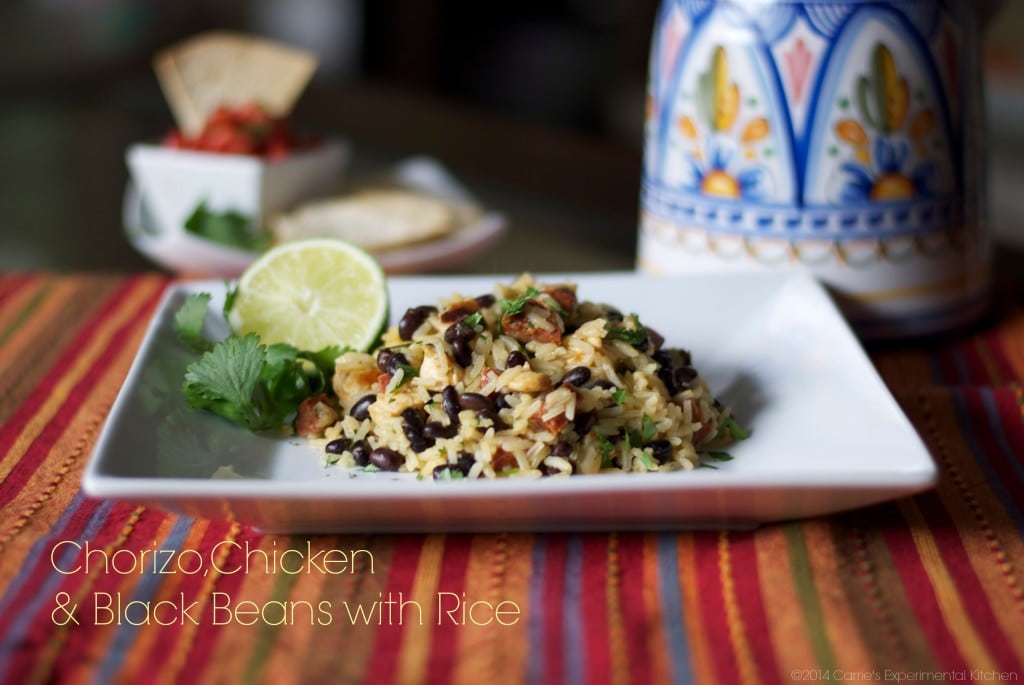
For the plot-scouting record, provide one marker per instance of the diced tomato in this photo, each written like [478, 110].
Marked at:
[382, 381]
[315, 415]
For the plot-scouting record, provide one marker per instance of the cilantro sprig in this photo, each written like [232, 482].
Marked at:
[246, 382]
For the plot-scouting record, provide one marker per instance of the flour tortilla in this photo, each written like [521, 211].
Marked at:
[222, 68]
[373, 219]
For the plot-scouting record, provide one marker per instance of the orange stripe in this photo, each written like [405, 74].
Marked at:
[616, 633]
[843, 633]
[57, 479]
[412, 657]
[142, 292]
[280, 666]
[498, 570]
[1011, 334]
[656, 654]
[946, 594]
[15, 306]
[737, 631]
[46, 314]
[704, 671]
[995, 556]
[788, 632]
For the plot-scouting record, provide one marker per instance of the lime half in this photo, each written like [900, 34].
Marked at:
[311, 294]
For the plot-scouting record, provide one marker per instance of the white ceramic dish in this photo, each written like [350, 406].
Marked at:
[827, 434]
[182, 252]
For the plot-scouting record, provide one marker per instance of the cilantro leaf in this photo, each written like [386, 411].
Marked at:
[188, 321]
[619, 395]
[408, 373]
[513, 307]
[474, 319]
[228, 228]
[735, 429]
[230, 293]
[720, 456]
[633, 334]
[225, 380]
[647, 429]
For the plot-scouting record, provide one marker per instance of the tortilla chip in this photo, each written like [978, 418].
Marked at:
[221, 68]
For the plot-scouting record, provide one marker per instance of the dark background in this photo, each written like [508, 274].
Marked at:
[537, 105]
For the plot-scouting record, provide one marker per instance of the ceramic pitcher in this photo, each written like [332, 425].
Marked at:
[841, 137]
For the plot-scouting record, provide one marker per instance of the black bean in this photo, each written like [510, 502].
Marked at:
[654, 339]
[435, 429]
[462, 353]
[465, 462]
[684, 377]
[501, 401]
[577, 376]
[450, 403]
[485, 300]
[444, 471]
[361, 453]
[562, 449]
[661, 450]
[386, 459]
[459, 311]
[458, 331]
[665, 374]
[338, 446]
[474, 401]
[412, 426]
[552, 471]
[388, 361]
[583, 422]
[361, 409]
[515, 358]
[413, 319]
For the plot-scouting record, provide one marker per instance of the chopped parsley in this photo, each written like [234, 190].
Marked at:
[619, 395]
[474, 319]
[735, 430]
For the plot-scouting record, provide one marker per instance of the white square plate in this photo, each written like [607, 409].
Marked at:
[826, 433]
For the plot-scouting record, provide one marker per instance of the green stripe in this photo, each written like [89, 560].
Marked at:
[803, 580]
[283, 583]
[29, 308]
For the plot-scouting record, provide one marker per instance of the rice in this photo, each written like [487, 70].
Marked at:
[527, 381]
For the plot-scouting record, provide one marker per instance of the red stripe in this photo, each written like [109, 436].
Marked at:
[9, 286]
[404, 564]
[551, 607]
[747, 582]
[204, 642]
[594, 609]
[22, 472]
[12, 428]
[921, 599]
[996, 345]
[968, 585]
[636, 623]
[445, 637]
[711, 605]
[191, 589]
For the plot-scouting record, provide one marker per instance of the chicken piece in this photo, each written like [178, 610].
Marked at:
[355, 375]
[528, 381]
[315, 415]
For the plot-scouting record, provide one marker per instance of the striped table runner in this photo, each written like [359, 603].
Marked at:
[928, 587]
